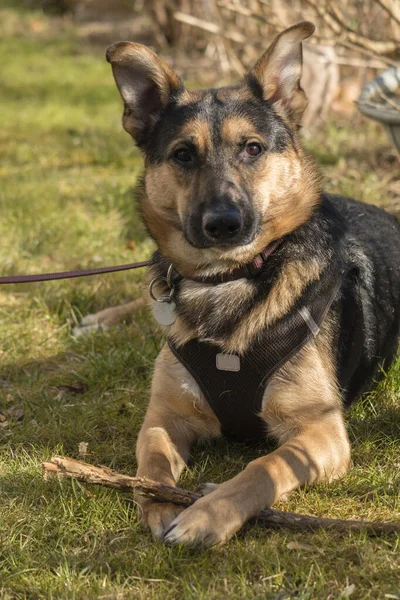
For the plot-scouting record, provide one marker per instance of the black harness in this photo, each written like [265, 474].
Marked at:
[234, 385]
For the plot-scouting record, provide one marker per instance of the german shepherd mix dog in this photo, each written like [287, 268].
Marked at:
[282, 303]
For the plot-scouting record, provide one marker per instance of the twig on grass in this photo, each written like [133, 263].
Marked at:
[61, 466]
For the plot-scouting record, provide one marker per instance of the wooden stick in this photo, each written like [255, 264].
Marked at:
[69, 467]
[61, 466]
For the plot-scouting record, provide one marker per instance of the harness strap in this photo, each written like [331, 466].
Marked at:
[235, 392]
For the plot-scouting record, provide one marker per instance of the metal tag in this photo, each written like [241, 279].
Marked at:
[164, 312]
[227, 362]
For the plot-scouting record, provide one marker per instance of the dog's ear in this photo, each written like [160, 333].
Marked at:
[277, 74]
[145, 83]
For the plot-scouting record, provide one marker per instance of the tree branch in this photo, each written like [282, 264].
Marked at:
[338, 26]
[241, 10]
[209, 27]
[343, 37]
[61, 466]
[393, 11]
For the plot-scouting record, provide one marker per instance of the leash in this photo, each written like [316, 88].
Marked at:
[248, 271]
[70, 274]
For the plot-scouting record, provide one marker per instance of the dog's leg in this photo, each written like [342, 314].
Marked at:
[303, 410]
[108, 317]
[173, 421]
[314, 454]
[162, 451]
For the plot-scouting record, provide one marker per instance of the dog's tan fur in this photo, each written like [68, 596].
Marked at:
[304, 413]
[302, 405]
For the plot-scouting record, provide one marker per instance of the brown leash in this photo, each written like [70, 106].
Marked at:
[248, 271]
[71, 274]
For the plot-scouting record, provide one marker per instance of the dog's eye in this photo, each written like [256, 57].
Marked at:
[182, 155]
[253, 149]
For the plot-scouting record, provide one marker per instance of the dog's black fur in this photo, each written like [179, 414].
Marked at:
[359, 239]
[369, 308]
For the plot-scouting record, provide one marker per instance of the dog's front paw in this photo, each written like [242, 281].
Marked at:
[209, 522]
[92, 323]
[206, 488]
[158, 516]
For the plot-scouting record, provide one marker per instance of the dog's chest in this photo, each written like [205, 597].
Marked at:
[234, 385]
[209, 311]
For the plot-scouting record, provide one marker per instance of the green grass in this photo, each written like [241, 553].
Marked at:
[67, 172]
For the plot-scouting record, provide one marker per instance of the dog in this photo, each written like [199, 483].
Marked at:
[281, 302]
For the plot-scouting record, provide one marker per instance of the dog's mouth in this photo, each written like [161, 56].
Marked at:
[204, 243]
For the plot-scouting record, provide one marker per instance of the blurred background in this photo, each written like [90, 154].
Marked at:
[213, 41]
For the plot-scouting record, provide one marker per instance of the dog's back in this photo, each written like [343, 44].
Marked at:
[370, 302]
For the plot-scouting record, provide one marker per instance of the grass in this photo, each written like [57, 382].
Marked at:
[67, 173]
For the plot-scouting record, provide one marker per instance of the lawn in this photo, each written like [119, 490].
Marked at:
[67, 174]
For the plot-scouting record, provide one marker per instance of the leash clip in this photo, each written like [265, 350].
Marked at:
[164, 307]
[168, 280]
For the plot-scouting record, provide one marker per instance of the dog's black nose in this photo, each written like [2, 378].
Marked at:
[223, 224]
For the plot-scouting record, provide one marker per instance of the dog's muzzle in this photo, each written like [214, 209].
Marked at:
[222, 225]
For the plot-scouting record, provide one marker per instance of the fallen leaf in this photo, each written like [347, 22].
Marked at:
[9, 399]
[82, 449]
[131, 245]
[3, 418]
[347, 592]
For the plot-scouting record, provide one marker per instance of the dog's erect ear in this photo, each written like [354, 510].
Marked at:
[145, 83]
[278, 71]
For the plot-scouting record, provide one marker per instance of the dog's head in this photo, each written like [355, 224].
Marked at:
[225, 175]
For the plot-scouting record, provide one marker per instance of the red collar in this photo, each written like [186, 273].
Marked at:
[248, 271]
